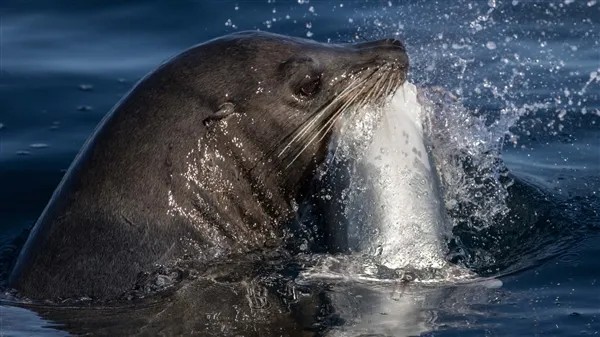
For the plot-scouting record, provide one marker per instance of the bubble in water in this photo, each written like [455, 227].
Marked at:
[490, 45]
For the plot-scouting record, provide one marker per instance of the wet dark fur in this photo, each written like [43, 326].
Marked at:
[107, 221]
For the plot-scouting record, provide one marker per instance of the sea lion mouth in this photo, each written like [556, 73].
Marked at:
[368, 83]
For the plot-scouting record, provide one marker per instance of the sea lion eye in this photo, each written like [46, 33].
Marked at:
[309, 87]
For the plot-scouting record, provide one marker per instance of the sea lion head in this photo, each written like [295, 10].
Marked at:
[280, 96]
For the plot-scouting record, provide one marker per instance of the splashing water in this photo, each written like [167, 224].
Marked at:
[466, 150]
[393, 206]
[396, 174]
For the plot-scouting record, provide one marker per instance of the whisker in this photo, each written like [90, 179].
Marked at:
[335, 151]
[329, 123]
[384, 90]
[343, 108]
[355, 94]
[371, 93]
[336, 116]
[342, 95]
[317, 116]
[388, 84]
[333, 117]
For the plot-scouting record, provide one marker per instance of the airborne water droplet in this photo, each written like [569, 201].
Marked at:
[86, 87]
[38, 145]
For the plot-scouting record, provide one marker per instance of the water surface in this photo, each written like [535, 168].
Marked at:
[64, 64]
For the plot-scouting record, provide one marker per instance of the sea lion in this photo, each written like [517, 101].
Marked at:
[202, 159]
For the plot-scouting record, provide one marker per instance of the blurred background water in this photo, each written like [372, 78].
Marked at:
[64, 64]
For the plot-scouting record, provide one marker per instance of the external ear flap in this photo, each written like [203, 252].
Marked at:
[225, 110]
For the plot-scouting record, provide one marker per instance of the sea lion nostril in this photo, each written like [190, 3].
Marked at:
[386, 51]
[385, 43]
[395, 42]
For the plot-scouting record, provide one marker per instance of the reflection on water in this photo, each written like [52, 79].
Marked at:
[18, 321]
[265, 307]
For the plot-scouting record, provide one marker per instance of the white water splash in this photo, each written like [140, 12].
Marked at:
[394, 206]
[402, 168]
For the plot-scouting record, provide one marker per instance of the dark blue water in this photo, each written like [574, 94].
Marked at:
[64, 64]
